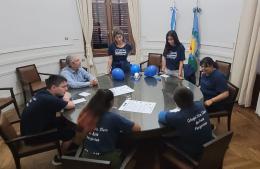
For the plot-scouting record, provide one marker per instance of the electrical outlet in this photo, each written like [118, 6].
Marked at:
[66, 38]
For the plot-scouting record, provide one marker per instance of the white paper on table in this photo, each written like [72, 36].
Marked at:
[165, 75]
[77, 101]
[84, 94]
[137, 106]
[175, 110]
[121, 90]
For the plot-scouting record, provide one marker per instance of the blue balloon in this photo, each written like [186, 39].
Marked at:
[118, 74]
[135, 69]
[150, 71]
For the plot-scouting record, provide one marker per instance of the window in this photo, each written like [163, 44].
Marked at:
[108, 14]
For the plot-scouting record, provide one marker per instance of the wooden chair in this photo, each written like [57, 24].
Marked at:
[6, 101]
[230, 101]
[153, 59]
[224, 67]
[30, 79]
[212, 155]
[16, 143]
[63, 63]
[76, 162]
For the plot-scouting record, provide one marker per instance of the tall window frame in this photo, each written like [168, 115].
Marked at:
[107, 15]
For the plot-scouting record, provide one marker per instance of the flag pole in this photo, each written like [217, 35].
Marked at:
[173, 5]
[197, 8]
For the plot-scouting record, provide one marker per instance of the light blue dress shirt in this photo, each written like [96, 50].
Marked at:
[77, 79]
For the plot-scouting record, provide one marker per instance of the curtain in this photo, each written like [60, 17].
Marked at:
[86, 21]
[134, 15]
[247, 51]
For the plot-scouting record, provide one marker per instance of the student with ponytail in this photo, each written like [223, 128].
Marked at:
[103, 128]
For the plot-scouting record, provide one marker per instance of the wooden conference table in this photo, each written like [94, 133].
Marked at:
[151, 89]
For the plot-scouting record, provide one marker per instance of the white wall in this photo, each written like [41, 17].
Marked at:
[42, 32]
[36, 32]
[219, 22]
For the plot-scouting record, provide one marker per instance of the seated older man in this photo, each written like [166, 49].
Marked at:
[76, 76]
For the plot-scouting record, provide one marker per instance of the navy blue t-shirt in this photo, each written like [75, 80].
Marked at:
[119, 55]
[103, 139]
[192, 128]
[174, 56]
[213, 84]
[40, 113]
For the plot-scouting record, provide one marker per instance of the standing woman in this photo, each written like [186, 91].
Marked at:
[118, 52]
[173, 55]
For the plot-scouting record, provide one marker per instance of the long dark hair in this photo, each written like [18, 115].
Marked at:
[208, 61]
[174, 35]
[100, 103]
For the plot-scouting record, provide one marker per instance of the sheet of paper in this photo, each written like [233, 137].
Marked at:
[77, 101]
[175, 110]
[84, 94]
[137, 106]
[121, 90]
[164, 75]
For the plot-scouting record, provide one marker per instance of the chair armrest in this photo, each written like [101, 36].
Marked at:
[48, 74]
[143, 63]
[10, 89]
[16, 121]
[6, 88]
[181, 153]
[28, 137]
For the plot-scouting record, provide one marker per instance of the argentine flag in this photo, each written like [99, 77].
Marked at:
[173, 18]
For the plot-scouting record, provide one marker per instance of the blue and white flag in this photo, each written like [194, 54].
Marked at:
[173, 18]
